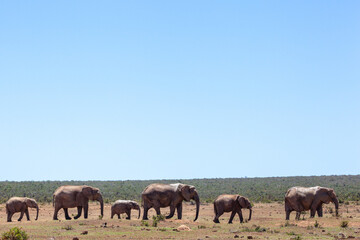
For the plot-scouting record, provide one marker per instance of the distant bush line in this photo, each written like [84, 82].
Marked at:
[271, 189]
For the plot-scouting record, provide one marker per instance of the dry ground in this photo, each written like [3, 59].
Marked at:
[267, 223]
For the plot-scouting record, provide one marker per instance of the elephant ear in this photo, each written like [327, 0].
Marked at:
[28, 202]
[241, 201]
[87, 192]
[331, 193]
[185, 192]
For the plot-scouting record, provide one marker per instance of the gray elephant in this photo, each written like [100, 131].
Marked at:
[76, 196]
[168, 195]
[233, 204]
[124, 206]
[309, 198]
[21, 204]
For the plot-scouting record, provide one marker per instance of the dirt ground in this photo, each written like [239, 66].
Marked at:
[268, 222]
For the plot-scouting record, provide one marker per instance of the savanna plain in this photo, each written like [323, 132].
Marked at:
[268, 222]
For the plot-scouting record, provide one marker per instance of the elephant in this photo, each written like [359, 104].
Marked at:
[312, 198]
[233, 204]
[124, 206]
[21, 204]
[164, 195]
[76, 196]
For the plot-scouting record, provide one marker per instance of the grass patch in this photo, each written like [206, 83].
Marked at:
[15, 233]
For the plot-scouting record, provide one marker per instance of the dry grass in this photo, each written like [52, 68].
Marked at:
[268, 223]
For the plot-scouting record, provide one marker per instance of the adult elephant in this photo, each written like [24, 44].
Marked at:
[309, 198]
[21, 204]
[233, 204]
[168, 195]
[124, 206]
[76, 196]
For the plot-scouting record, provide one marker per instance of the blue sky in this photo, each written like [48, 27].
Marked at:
[100, 90]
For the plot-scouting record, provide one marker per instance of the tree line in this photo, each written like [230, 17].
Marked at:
[270, 189]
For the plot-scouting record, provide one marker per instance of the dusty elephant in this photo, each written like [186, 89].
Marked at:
[21, 204]
[168, 195]
[124, 206]
[302, 199]
[233, 204]
[76, 196]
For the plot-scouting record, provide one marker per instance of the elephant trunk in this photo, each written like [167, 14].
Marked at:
[250, 212]
[336, 202]
[37, 212]
[101, 205]
[197, 201]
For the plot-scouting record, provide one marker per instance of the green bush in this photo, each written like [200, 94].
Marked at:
[157, 219]
[344, 224]
[15, 233]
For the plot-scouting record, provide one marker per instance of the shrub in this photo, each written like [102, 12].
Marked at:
[144, 223]
[68, 227]
[157, 219]
[316, 224]
[15, 233]
[344, 224]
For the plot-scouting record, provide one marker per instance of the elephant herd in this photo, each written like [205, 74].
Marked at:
[171, 195]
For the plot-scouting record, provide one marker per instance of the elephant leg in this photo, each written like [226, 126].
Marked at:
[27, 214]
[86, 211]
[287, 214]
[146, 209]
[112, 214]
[240, 216]
[128, 213]
[157, 209]
[218, 212]
[21, 215]
[297, 217]
[320, 211]
[56, 213]
[172, 211]
[79, 212]
[232, 216]
[67, 217]
[118, 216]
[179, 210]
[9, 216]
[312, 212]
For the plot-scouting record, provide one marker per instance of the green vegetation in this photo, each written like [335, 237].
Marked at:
[347, 187]
[14, 233]
[344, 224]
[157, 219]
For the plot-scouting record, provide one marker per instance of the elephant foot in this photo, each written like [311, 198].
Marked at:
[216, 221]
[145, 218]
[68, 218]
[229, 222]
[76, 217]
[168, 217]
[128, 218]
[19, 220]
[9, 221]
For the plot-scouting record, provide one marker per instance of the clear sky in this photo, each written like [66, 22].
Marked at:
[115, 90]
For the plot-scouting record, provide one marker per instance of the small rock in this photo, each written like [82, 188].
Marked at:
[323, 230]
[84, 233]
[250, 237]
[351, 237]
[236, 236]
[183, 228]
[75, 238]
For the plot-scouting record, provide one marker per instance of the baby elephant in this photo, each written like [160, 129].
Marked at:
[231, 203]
[20, 204]
[124, 206]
